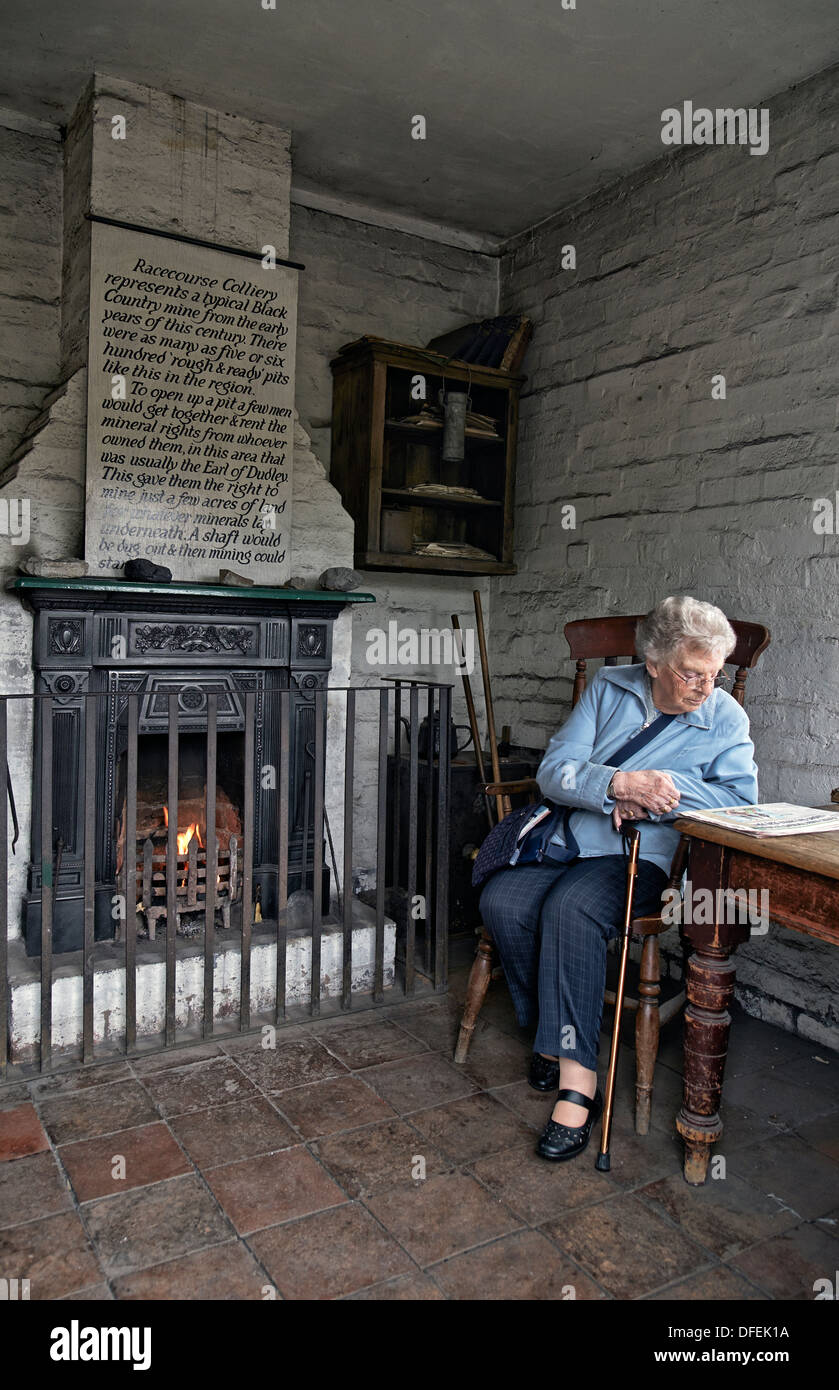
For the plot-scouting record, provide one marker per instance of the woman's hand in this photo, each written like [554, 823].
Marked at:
[627, 810]
[655, 791]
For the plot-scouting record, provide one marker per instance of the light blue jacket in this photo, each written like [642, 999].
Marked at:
[706, 751]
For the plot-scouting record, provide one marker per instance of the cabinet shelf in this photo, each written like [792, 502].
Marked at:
[377, 458]
[426, 431]
[430, 564]
[427, 499]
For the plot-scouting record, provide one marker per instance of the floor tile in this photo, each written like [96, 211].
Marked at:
[260, 1192]
[718, 1282]
[820, 1068]
[628, 1249]
[742, 1127]
[153, 1224]
[408, 1288]
[791, 1173]
[521, 1266]
[297, 1062]
[150, 1155]
[329, 1254]
[418, 1082]
[781, 1097]
[534, 1107]
[329, 1106]
[226, 1133]
[724, 1215]
[435, 1024]
[95, 1293]
[263, 1039]
[473, 1127]
[671, 1044]
[54, 1254]
[773, 1219]
[496, 1058]
[369, 1160]
[198, 1087]
[637, 1159]
[177, 1058]
[21, 1132]
[369, 1044]
[13, 1094]
[64, 1083]
[537, 1190]
[31, 1187]
[668, 1094]
[498, 1010]
[822, 1134]
[97, 1110]
[789, 1265]
[829, 1223]
[222, 1272]
[754, 1045]
[442, 1216]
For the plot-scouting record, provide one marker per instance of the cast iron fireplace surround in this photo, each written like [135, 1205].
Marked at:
[113, 639]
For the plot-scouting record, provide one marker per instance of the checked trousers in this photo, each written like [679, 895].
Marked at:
[550, 924]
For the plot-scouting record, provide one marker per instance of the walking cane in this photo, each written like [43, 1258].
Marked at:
[502, 802]
[473, 725]
[633, 835]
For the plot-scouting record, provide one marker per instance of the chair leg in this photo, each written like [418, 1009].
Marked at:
[479, 978]
[646, 1032]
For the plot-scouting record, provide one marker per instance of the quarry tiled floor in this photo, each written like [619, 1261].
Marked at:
[227, 1171]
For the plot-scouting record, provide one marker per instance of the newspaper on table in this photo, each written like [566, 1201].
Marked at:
[772, 818]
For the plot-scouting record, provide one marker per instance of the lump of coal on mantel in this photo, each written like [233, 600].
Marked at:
[341, 579]
[53, 569]
[147, 571]
[236, 581]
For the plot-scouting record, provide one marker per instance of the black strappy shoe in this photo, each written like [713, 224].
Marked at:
[544, 1074]
[559, 1142]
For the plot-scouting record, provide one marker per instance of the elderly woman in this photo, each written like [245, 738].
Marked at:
[551, 920]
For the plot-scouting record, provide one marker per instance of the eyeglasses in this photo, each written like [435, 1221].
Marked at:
[694, 682]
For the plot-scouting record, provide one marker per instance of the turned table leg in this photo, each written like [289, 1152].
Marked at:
[710, 986]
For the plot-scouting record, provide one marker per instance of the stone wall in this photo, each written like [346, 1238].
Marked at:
[709, 261]
[363, 279]
[30, 271]
[181, 168]
[187, 169]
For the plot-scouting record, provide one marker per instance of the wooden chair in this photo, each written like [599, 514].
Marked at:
[611, 639]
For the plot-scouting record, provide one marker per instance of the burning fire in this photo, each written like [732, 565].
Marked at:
[185, 836]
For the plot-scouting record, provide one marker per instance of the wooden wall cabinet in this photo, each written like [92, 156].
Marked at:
[379, 460]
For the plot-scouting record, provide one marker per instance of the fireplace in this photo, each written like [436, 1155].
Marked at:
[177, 659]
[183, 794]
[152, 791]
[145, 898]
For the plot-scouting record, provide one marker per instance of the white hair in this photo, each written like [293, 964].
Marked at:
[683, 620]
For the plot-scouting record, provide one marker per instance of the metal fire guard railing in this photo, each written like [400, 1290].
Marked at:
[399, 799]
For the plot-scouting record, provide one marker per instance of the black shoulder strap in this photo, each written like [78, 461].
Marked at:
[640, 739]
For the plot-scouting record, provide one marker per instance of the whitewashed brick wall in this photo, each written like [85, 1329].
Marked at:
[361, 279]
[709, 261]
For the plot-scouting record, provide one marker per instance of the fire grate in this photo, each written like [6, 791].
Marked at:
[191, 884]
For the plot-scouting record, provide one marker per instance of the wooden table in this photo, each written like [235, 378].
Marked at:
[801, 874]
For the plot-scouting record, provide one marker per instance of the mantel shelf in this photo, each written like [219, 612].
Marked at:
[233, 592]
